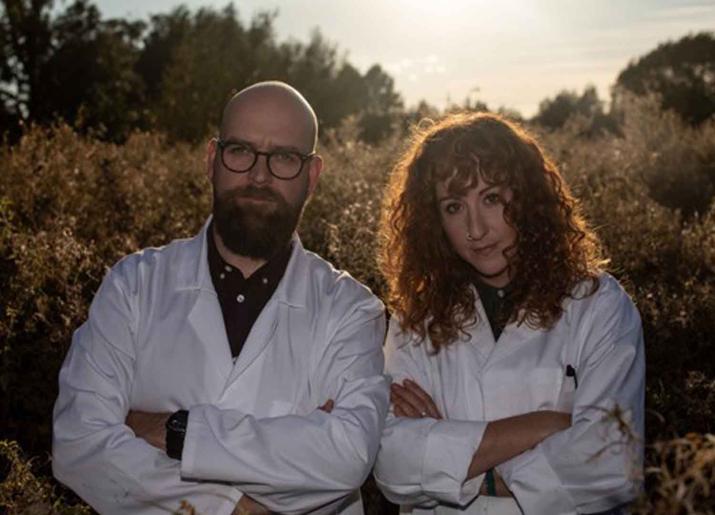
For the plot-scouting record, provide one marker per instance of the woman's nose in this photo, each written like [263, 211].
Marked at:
[476, 227]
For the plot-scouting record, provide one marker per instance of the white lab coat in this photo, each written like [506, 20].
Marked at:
[155, 341]
[423, 462]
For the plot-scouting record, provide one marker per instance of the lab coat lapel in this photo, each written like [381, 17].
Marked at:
[481, 336]
[205, 317]
[290, 293]
[206, 320]
[258, 339]
[513, 338]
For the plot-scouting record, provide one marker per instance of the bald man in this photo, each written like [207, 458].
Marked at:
[233, 372]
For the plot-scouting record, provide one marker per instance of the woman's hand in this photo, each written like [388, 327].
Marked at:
[410, 400]
[247, 506]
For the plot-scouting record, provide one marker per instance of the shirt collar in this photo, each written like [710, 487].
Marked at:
[193, 268]
[487, 291]
[272, 271]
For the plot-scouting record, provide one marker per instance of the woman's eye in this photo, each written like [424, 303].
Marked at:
[492, 199]
[452, 207]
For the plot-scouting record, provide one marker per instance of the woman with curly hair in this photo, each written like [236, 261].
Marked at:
[517, 362]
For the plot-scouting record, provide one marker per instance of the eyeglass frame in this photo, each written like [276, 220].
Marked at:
[221, 143]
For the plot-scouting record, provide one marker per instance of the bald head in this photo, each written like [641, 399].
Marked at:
[274, 98]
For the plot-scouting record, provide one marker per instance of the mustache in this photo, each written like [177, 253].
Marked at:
[253, 192]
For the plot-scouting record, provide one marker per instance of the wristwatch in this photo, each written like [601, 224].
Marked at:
[175, 433]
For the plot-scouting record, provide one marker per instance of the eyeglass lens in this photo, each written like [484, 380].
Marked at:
[284, 164]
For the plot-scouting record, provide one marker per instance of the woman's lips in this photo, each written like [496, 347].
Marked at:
[486, 249]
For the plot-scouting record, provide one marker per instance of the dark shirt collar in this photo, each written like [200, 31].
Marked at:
[497, 304]
[241, 299]
[270, 272]
[491, 292]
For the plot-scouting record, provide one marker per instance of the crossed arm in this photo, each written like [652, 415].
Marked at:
[586, 465]
[151, 427]
[502, 439]
[227, 452]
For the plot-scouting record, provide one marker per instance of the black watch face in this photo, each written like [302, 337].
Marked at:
[177, 422]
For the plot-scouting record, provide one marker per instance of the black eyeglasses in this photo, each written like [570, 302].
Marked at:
[241, 157]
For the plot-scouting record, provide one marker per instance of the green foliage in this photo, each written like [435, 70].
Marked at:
[74, 66]
[172, 73]
[71, 205]
[566, 105]
[681, 73]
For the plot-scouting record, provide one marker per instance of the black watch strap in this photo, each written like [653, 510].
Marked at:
[175, 433]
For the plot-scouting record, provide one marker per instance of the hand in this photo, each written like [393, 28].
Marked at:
[328, 406]
[247, 506]
[150, 427]
[410, 400]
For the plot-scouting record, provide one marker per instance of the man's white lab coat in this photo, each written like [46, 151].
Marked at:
[155, 341]
[590, 467]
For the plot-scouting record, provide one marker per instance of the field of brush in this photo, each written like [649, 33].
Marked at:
[71, 205]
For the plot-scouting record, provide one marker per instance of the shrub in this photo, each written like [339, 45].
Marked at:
[71, 205]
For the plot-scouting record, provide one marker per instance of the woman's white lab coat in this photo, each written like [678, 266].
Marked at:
[590, 467]
[155, 341]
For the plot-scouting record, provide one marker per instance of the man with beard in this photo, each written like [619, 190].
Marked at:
[233, 372]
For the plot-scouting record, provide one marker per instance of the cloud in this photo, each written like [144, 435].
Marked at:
[413, 68]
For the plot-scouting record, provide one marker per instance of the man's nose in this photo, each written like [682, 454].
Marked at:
[259, 173]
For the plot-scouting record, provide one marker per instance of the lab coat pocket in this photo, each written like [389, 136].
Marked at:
[567, 392]
[529, 390]
[545, 388]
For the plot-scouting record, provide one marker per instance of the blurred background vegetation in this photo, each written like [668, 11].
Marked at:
[104, 123]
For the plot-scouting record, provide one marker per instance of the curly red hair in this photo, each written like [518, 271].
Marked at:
[429, 284]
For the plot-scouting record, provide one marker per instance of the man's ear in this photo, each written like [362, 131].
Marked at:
[316, 166]
[211, 149]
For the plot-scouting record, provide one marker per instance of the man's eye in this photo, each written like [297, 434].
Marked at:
[286, 157]
[239, 150]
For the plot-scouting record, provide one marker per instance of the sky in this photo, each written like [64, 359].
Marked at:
[507, 53]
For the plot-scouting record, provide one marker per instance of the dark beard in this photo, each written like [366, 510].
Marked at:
[249, 230]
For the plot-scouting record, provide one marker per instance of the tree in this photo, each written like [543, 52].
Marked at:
[554, 113]
[25, 36]
[73, 66]
[173, 73]
[682, 73]
[166, 32]
[211, 56]
[383, 106]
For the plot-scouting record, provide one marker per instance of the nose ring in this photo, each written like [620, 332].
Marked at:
[470, 237]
